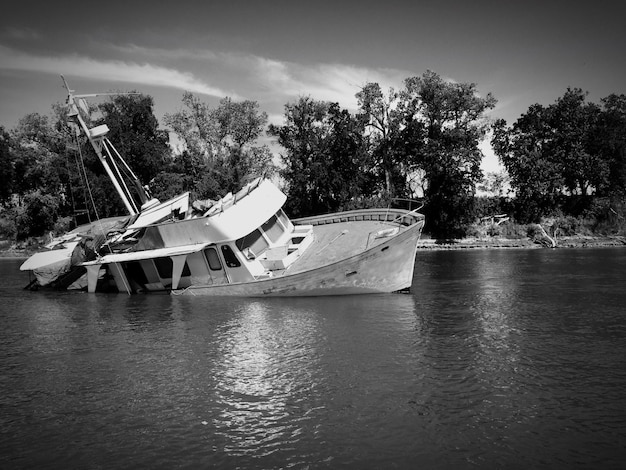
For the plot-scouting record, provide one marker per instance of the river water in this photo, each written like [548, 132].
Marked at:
[496, 359]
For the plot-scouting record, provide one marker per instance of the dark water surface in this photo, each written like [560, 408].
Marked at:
[497, 359]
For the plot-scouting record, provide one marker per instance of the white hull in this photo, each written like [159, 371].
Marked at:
[385, 268]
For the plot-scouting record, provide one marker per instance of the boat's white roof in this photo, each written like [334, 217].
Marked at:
[246, 214]
[229, 220]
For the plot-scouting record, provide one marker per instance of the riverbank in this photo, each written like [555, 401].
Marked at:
[472, 243]
[9, 249]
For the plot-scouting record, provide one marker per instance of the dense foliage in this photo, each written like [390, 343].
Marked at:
[419, 141]
[220, 147]
[325, 164]
[565, 161]
[566, 157]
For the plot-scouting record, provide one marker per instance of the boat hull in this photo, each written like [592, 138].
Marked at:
[387, 267]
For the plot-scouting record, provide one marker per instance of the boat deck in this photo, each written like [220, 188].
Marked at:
[337, 241]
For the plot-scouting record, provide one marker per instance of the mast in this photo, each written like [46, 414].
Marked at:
[77, 106]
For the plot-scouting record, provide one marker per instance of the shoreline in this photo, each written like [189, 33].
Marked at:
[473, 243]
[430, 244]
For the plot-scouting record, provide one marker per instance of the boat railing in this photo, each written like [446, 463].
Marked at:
[389, 215]
[230, 200]
[410, 203]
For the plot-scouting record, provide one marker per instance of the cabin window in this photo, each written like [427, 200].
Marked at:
[213, 259]
[229, 257]
[254, 241]
[272, 229]
[283, 218]
[165, 266]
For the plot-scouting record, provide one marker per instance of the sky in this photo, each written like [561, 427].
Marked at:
[273, 52]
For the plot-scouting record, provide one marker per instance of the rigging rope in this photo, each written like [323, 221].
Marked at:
[73, 196]
[77, 162]
[123, 184]
[69, 178]
[88, 186]
[85, 179]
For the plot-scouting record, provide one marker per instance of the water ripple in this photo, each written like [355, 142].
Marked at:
[509, 359]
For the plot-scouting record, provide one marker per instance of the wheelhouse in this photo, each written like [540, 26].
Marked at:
[260, 253]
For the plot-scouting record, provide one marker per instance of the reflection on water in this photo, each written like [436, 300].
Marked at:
[497, 359]
[263, 378]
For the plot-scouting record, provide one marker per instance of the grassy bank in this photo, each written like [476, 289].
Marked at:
[470, 243]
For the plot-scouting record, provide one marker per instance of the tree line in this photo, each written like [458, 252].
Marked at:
[419, 141]
[568, 157]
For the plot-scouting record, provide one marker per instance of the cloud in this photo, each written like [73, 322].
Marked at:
[273, 74]
[339, 82]
[270, 82]
[258, 77]
[254, 77]
[21, 34]
[327, 82]
[109, 70]
[158, 53]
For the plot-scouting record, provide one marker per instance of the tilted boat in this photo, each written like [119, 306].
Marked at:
[241, 245]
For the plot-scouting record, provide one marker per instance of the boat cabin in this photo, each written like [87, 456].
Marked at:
[241, 238]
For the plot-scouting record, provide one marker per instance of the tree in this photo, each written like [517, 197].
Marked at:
[573, 123]
[38, 214]
[7, 172]
[609, 141]
[384, 125]
[429, 130]
[349, 168]
[325, 167]
[302, 137]
[495, 184]
[221, 144]
[38, 150]
[553, 153]
[167, 185]
[196, 128]
[523, 150]
[134, 130]
[180, 175]
[443, 124]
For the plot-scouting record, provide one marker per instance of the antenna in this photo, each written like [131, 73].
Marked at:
[91, 95]
[67, 87]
